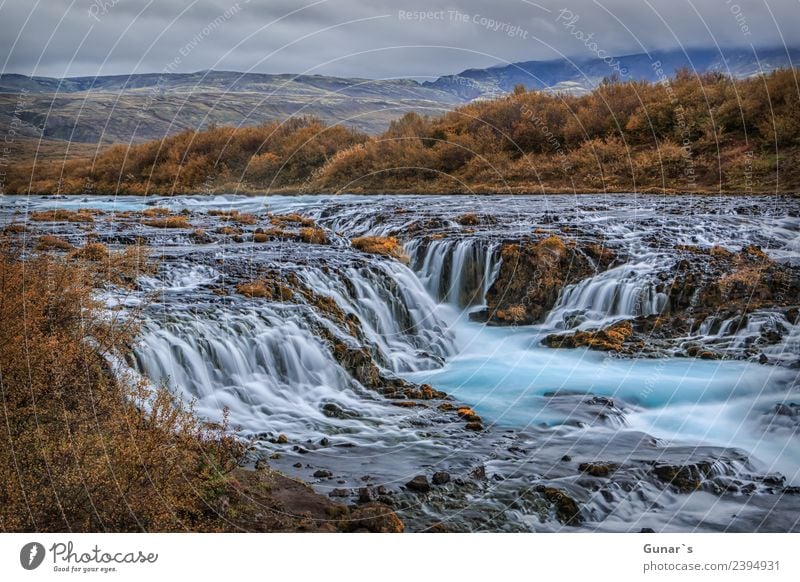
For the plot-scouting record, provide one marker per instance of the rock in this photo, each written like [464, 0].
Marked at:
[366, 495]
[611, 338]
[684, 478]
[375, 518]
[647, 530]
[419, 484]
[598, 469]
[339, 492]
[440, 478]
[297, 465]
[567, 510]
[566, 458]
[322, 474]
[476, 426]
[532, 276]
[282, 439]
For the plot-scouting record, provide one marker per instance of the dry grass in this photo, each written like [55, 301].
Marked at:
[380, 245]
[293, 218]
[235, 216]
[80, 451]
[62, 215]
[168, 222]
[14, 228]
[49, 242]
[266, 287]
[313, 235]
[150, 212]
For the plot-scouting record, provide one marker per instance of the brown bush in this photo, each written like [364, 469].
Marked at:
[14, 228]
[313, 235]
[61, 215]
[379, 245]
[81, 451]
[235, 216]
[168, 222]
[49, 242]
[267, 287]
[150, 212]
[293, 218]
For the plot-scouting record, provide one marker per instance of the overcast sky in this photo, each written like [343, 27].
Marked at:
[365, 38]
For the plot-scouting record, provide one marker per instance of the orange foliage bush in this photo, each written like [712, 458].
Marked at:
[87, 447]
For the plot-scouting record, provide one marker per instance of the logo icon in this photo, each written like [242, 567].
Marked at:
[31, 555]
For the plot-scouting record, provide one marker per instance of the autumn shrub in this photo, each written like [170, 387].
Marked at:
[85, 446]
[49, 242]
[61, 215]
[168, 222]
[379, 245]
[313, 235]
[157, 211]
[292, 218]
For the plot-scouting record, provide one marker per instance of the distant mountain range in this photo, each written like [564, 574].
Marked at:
[582, 75]
[124, 108]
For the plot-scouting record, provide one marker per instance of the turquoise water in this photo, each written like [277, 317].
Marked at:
[509, 378]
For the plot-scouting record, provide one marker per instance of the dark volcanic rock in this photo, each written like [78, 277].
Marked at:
[419, 484]
[441, 478]
[567, 510]
[532, 276]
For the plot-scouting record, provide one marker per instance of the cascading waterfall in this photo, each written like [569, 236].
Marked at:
[277, 364]
[396, 313]
[456, 271]
[622, 292]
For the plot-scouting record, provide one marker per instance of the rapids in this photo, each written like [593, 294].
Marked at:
[270, 363]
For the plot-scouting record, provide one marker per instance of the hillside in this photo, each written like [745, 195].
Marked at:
[141, 107]
[706, 133]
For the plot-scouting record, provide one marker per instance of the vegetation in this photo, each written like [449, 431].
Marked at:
[691, 133]
[168, 222]
[379, 245]
[86, 447]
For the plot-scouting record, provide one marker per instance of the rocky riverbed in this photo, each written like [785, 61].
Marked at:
[600, 363]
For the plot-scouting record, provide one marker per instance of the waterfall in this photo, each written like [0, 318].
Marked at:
[396, 312]
[261, 363]
[622, 292]
[456, 271]
[265, 359]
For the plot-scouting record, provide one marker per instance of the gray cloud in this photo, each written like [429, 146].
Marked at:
[379, 39]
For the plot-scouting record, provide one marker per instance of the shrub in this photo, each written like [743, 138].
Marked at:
[87, 447]
[293, 218]
[168, 222]
[49, 242]
[62, 215]
[150, 212]
[313, 235]
[379, 245]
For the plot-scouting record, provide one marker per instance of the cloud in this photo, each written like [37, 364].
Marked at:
[377, 39]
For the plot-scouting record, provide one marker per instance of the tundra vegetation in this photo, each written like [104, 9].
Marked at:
[690, 133]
